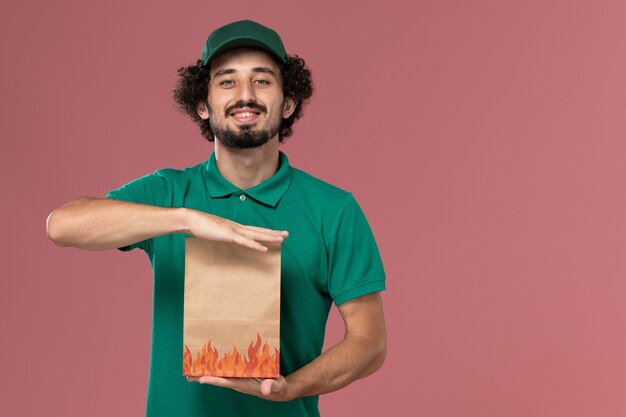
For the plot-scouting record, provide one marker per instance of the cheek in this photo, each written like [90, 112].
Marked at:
[216, 106]
[217, 98]
[279, 106]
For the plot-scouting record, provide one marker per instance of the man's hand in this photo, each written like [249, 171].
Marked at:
[360, 353]
[104, 223]
[210, 227]
[268, 389]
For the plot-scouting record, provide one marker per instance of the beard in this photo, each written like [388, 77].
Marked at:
[245, 136]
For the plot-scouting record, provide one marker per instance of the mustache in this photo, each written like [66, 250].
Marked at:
[241, 104]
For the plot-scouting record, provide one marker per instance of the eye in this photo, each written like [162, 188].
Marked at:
[262, 82]
[226, 83]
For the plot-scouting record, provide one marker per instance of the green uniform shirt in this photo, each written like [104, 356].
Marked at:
[330, 255]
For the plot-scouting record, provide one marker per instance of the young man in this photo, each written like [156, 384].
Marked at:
[245, 93]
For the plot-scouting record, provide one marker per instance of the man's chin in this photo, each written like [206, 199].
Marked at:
[247, 140]
[245, 126]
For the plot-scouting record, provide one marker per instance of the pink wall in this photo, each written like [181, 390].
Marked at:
[484, 140]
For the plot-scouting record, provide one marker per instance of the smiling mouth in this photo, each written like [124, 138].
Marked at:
[245, 114]
[245, 117]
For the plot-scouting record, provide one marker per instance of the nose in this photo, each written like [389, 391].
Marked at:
[246, 92]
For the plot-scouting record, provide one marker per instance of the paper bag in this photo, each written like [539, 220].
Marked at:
[232, 310]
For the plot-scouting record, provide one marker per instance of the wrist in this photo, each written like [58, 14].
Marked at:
[293, 389]
[185, 219]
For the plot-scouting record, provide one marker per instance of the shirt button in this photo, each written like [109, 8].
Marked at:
[242, 197]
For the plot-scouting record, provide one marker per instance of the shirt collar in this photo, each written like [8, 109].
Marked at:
[268, 192]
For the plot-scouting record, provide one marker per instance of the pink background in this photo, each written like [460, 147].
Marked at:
[483, 139]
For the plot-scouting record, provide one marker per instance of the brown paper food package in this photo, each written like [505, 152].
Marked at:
[232, 310]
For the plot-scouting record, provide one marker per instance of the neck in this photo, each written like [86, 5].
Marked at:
[246, 168]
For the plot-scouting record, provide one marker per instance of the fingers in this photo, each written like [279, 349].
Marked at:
[245, 385]
[215, 380]
[263, 388]
[250, 236]
[275, 236]
[211, 227]
[283, 233]
[250, 243]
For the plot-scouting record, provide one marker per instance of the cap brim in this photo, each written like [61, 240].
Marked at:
[242, 42]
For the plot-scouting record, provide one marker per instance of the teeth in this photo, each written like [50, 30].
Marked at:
[246, 114]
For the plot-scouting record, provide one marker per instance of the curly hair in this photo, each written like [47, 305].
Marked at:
[192, 87]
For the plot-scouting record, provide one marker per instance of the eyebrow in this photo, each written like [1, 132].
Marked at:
[225, 71]
[266, 70]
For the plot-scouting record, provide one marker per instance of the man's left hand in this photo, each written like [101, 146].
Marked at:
[268, 389]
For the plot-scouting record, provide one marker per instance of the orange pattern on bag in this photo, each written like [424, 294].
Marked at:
[257, 364]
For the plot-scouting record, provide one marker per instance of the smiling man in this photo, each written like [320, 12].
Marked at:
[245, 104]
[245, 93]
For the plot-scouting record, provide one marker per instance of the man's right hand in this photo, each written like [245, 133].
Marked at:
[103, 223]
[210, 227]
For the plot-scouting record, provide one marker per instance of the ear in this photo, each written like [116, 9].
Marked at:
[202, 110]
[289, 107]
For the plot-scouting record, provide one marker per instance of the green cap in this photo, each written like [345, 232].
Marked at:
[244, 33]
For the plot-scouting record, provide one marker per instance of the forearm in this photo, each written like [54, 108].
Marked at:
[356, 356]
[102, 223]
[360, 353]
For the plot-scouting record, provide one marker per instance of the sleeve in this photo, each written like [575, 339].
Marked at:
[149, 189]
[355, 266]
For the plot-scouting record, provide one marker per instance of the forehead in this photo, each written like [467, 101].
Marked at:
[242, 59]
